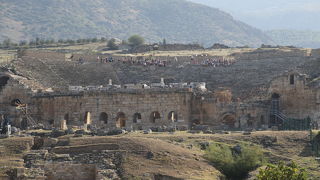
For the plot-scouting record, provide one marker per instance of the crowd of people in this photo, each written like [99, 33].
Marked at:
[214, 62]
[155, 61]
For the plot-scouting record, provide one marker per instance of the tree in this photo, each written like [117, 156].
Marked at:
[6, 43]
[164, 42]
[103, 39]
[94, 40]
[136, 40]
[22, 43]
[282, 171]
[112, 44]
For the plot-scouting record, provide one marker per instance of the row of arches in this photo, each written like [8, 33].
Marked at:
[121, 118]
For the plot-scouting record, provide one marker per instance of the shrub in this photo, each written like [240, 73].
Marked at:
[282, 171]
[234, 164]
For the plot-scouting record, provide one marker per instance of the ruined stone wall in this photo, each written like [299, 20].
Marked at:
[76, 109]
[227, 114]
[297, 100]
[57, 171]
[13, 90]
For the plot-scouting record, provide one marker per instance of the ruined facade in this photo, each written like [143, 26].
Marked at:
[63, 99]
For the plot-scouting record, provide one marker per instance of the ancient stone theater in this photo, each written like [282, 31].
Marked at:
[256, 90]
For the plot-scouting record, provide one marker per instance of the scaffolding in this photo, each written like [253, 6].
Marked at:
[23, 108]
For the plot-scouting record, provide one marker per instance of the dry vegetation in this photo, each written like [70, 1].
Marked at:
[179, 154]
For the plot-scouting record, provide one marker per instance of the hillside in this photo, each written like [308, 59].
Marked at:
[175, 20]
[310, 39]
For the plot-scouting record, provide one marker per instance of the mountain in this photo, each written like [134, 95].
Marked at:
[309, 39]
[176, 20]
[272, 14]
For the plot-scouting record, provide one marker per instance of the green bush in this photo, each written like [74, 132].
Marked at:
[232, 164]
[282, 172]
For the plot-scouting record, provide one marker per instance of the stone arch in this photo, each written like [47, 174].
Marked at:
[154, 116]
[66, 117]
[173, 116]
[121, 120]
[136, 117]
[103, 117]
[87, 118]
[229, 119]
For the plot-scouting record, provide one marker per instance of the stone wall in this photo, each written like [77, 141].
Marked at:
[13, 90]
[297, 99]
[92, 164]
[107, 109]
[58, 171]
[228, 115]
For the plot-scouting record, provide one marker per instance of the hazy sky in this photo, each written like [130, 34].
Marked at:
[272, 14]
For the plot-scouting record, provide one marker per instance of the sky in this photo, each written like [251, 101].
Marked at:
[272, 14]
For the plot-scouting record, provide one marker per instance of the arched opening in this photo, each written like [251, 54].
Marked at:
[51, 122]
[275, 109]
[173, 116]
[16, 102]
[262, 120]
[154, 116]
[250, 121]
[229, 120]
[87, 118]
[121, 120]
[66, 117]
[3, 81]
[292, 79]
[136, 117]
[103, 118]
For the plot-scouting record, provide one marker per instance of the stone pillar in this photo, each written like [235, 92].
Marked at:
[63, 125]
[110, 82]
[8, 130]
[162, 81]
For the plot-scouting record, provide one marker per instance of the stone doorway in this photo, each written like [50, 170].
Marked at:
[154, 116]
[103, 118]
[173, 116]
[87, 118]
[121, 120]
